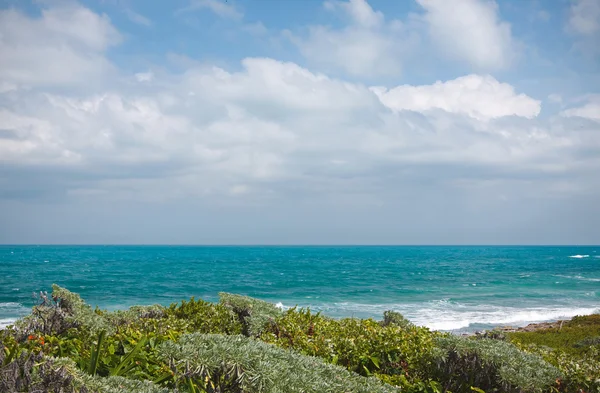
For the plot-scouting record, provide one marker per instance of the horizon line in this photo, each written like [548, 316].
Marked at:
[297, 245]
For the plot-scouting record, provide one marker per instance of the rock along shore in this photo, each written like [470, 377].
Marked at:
[532, 327]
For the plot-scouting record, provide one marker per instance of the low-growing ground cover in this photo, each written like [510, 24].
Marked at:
[245, 345]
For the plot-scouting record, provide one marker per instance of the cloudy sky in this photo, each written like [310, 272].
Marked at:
[282, 122]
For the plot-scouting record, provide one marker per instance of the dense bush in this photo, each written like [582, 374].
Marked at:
[134, 315]
[253, 314]
[25, 372]
[218, 363]
[360, 345]
[205, 317]
[57, 314]
[574, 337]
[581, 372]
[34, 372]
[574, 348]
[195, 346]
[395, 318]
[491, 365]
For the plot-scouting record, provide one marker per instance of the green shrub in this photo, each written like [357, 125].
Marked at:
[62, 311]
[134, 314]
[33, 372]
[568, 338]
[588, 342]
[427, 386]
[584, 320]
[83, 383]
[78, 311]
[362, 346]
[252, 313]
[395, 318]
[66, 346]
[22, 372]
[217, 363]
[581, 372]
[573, 348]
[495, 334]
[491, 365]
[205, 317]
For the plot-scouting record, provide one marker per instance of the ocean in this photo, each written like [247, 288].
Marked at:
[444, 288]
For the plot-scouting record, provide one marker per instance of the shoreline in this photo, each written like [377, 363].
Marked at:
[465, 331]
[530, 327]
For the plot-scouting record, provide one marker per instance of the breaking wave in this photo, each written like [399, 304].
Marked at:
[447, 316]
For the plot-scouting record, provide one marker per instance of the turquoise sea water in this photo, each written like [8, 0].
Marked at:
[444, 288]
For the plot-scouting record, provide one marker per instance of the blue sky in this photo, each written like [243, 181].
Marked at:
[282, 122]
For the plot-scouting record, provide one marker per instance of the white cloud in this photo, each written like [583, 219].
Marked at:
[137, 18]
[471, 31]
[272, 127]
[584, 24]
[367, 46]
[359, 11]
[64, 46]
[584, 17]
[591, 110]
[481, 97]
[276, 122]
[543, 15]
[555, 98]
[256, 29]
[144, 76]
[219, 7]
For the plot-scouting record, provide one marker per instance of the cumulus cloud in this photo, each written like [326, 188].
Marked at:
[555, 98]
[584, 17]
[273, 131]
[137, 18]
[471, 31]
[64, 46]
[590, 110]
[144, 76]
[479, 96]
[220, 8]
[584, 24]
[276, 122]
[368, 45]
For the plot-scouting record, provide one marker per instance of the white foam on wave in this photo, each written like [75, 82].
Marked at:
[447, 315]
[579, 256]
[505, 317]
[10, 305]
[578, 277]
[10, 312]
[280, 306]
[6, 322]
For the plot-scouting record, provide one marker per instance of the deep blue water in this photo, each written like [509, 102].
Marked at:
[440, 287]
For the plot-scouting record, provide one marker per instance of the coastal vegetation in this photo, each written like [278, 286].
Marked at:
[244, 345]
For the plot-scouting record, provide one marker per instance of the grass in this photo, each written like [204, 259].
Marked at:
[575, 337]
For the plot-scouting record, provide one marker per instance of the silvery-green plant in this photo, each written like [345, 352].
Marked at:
[58, 313]
[492, 365]
[254, 314]
[218, 363]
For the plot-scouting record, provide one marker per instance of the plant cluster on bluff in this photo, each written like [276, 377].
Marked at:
[244, 345]
[574, 348]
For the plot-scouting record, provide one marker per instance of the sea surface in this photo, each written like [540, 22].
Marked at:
[444, 288]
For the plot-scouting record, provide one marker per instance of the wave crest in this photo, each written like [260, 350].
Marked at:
[447, 315]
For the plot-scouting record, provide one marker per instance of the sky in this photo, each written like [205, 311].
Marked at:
[300, 122]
